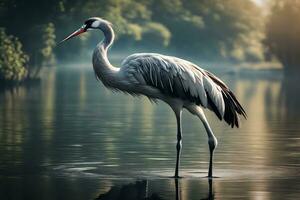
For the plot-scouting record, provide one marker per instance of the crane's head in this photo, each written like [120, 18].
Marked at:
[89, 24]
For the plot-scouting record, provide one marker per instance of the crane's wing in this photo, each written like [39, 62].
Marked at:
[182, 79]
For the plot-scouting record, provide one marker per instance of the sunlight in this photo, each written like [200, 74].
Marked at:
[260, 3]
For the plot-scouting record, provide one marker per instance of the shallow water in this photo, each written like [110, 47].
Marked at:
[68, 137]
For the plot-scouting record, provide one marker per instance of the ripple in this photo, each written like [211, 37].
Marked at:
[85, 163]
[111, 165]
[158, 158]
[80, 169]
[75, 145]
[225, 174]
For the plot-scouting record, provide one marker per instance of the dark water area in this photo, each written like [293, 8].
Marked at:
[67, 137]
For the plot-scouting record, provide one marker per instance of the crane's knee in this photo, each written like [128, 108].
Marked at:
[179, 145]
[213, 143]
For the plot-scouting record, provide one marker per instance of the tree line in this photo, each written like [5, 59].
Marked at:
[231, 30]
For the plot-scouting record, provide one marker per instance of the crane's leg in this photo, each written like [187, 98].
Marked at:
[179, 141]
[212, 140]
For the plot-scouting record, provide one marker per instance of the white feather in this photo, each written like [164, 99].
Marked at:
[95, 24]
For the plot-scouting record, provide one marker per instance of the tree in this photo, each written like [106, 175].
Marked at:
[12, 58]
[283, 33]
[48, 42]
[207, 29]
[217, 29]
[155, 35]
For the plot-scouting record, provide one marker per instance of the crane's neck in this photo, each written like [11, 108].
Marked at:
[109, 35]
[105, 71]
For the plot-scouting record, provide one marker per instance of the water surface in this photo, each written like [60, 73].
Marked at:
[68, 137]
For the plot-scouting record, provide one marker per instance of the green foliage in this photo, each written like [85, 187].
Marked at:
[12, 59]
[48, 42]
[208, 29]
[156, 35]
[228, 29]
[283, 32]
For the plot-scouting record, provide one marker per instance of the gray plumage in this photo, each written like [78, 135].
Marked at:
[179, 83]
[178, 78]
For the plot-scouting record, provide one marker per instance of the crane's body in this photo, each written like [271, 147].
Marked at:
[179, 83]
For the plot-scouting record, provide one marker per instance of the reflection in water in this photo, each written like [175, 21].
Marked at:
[132, 191]
[140, 191]
[290, 99]
[70, 131]
[210, 190]
[177, 190]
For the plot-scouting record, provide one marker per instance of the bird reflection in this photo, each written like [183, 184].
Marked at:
[132, 191]
[177, 191]
[210, 195]
[139, 191]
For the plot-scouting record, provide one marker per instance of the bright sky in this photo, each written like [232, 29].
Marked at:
[260, 2]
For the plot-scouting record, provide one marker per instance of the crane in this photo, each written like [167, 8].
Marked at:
[179, 83]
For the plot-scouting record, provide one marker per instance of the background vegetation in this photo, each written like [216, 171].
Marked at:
[283, 33]
[12, 59]
[231, 30]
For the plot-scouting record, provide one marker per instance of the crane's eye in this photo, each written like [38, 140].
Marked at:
[84, 26]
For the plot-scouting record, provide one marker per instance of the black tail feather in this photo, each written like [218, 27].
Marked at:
[232, 108]
[232, 105]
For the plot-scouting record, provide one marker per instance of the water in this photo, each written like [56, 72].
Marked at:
[68, 137]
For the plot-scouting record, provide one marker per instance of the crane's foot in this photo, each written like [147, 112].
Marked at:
[210, 172]
[212, 177]
[176, 176]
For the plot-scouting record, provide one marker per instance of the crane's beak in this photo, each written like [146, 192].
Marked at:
[78, 32]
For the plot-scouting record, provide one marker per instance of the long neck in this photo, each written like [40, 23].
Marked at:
[105, 71]
[109, 36]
